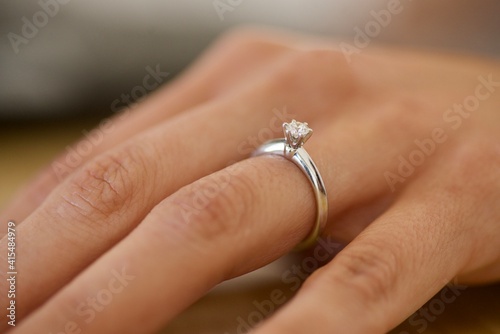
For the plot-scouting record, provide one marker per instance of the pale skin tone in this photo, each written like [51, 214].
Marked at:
[124, 206]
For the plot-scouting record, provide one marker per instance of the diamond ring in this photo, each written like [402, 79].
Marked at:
[296, 134]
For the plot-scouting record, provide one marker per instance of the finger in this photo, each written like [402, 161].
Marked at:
[110, 195]
[184, 248]
[233, 59]
[87, 215]
[230, 206]
[400, 261]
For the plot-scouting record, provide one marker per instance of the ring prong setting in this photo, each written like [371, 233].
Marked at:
[296, 133]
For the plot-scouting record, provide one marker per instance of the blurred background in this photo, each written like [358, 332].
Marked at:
[61, 58]
[64, 63]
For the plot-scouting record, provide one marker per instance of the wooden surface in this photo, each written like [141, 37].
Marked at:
[24, 148]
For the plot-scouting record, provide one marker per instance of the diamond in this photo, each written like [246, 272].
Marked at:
[296, 133]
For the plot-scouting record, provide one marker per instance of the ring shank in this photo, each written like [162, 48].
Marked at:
[302, 159]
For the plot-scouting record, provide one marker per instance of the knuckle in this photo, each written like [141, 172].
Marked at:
[398, 105]
[242, 51]
[322, 75]
[397, 113]
[478, 162]
[105, 186]
[369, 273]
[243, 37]
[216, 205]
[476, 152]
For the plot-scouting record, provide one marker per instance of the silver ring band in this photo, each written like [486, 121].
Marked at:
[290, 147]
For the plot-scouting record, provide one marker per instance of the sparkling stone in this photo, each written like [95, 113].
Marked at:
[296, 133]
[298, 129]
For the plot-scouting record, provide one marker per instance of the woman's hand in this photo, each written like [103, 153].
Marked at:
[167, 204]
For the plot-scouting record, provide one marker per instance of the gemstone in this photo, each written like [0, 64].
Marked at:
[296, 133]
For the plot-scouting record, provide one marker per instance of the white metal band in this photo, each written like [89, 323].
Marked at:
[302, 159]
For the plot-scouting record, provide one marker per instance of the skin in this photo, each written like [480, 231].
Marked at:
[171, 199]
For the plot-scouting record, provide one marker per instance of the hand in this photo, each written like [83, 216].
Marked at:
[168, 204]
